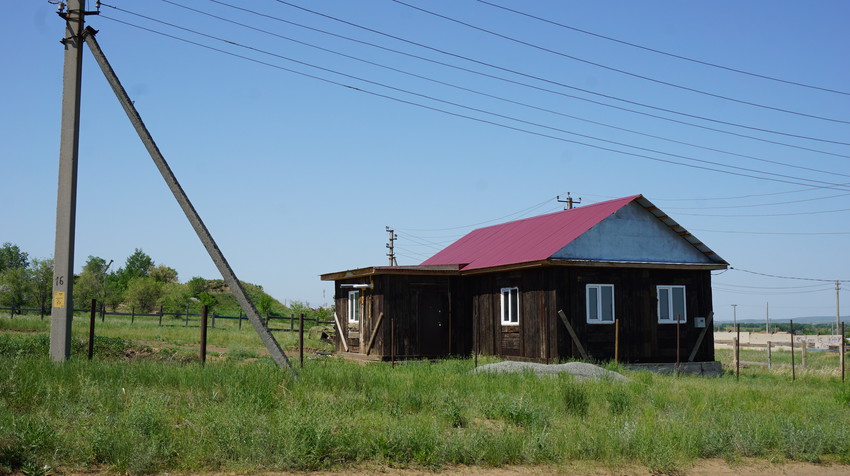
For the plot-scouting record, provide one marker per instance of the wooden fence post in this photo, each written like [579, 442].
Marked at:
[678, 342]
[737, 352]
[132, 314]
[91, 328]
[301, 339]
[240, 319]
[291, 322]
[793, 370]
[160, 316]
[213, 320]
[842, 348]
[803, 352]
[616, 340]
[204, 311]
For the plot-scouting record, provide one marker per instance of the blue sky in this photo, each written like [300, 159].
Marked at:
[297, 176]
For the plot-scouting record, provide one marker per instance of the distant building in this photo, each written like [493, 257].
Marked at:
[499, 289]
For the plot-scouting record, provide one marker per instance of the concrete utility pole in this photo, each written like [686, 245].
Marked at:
[66, 197]
[391, 246]
[767, 318]
[734, 314]
[569, 201]
[201, 230]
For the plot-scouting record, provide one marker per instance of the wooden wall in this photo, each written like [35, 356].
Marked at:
[436, 316]
[542, 337]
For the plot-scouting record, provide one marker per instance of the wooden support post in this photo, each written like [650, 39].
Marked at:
[91, 328]
[678, 342]
[160, 315]
[616, 340]
[240, 319]
[132, 314]
[374, 333]
[392, 341]
[301, 339]
[291, 322]
[339, 332]
[213, 321]
[709, 324]
[103, 312]
[793, 370]
[573, 334]
[803, 353]
[204, 334]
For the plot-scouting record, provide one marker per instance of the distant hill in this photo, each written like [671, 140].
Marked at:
[801, 320]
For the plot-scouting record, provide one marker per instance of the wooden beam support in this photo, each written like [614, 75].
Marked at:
[374, 333]
[573, 334]
[339, 332]
[709, 322]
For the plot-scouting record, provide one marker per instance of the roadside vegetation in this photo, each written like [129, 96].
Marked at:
[146, 405]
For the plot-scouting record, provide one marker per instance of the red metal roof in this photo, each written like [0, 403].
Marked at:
[530, 239]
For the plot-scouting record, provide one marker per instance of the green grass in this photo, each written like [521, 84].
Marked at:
[156, 415]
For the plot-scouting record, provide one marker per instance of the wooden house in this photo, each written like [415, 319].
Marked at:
[616, 278]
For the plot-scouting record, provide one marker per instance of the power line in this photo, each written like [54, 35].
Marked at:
[789, 277]
[772, 232]
[672, 55]
[499, 98]
[826, 184]
[818, 212]
[618, 70]
[737, 197]
[555, 82]
[752, 205]
[510, 81]
[770, 287]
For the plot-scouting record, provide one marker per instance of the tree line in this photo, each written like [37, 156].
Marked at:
[140, 284]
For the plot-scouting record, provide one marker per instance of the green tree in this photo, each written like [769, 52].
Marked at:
[196, 286]
[41, 274]
[175, 298]
[138, 265]
[14, 288]
[264, 303]
[144, 293]
[163, 274]
[11, 257]
[114, 292]
[89, 284]
[208, 300]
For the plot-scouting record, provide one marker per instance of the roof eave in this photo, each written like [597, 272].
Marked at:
[418, 270]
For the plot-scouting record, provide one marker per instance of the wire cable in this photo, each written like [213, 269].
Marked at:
[666, 53]
[556, 82]
[803, 233]
[551, 111]
[782, 180]
[621, 71]
[789, 277]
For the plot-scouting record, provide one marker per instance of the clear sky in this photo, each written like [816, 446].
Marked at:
[321, 127]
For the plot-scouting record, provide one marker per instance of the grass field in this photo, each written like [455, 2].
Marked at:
[161, 411]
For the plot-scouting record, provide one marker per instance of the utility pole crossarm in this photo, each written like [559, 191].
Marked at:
[194, 219]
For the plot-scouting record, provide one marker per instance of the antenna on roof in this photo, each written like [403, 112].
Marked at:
[569, 201]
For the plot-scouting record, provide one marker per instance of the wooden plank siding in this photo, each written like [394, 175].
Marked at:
[540, 336]
[437, 316]
[444, 330]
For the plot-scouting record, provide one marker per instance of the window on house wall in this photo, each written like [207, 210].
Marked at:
[354, 306]
[510, 306]
[671, 304]
[600, 303]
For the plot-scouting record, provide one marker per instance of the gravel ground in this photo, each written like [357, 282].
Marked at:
[580, 370]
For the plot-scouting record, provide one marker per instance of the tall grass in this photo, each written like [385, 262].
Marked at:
[155, 415]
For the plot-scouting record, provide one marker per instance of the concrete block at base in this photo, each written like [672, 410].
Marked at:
[706, 369]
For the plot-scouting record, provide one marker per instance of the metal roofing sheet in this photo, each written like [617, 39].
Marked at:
[525, 240]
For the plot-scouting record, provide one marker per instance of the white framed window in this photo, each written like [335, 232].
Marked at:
[510, 306]
[354, 306]
[671, 304]
[600, 303]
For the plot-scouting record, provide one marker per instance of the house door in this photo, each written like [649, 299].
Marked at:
[432, 311]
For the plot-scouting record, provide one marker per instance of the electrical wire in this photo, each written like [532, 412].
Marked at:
[768, 287]
[618, 70]
[752, 205]
[499, 98]
[643, 149]
[556, 82]
[665, 53]
[551, 111]
[739, 232]
[817, 212]
[789, 277]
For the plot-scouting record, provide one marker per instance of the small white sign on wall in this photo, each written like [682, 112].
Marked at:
[699, 322]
